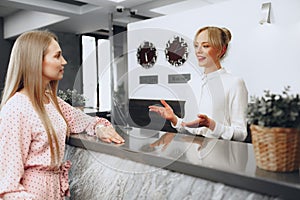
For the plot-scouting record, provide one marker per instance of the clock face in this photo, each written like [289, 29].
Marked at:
[176, 51]
[146, 54]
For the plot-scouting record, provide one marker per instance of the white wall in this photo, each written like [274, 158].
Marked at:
[89, 71]
[266, 56]
[104, 75]
[89, 68]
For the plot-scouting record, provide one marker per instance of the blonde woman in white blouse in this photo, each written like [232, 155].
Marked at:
[224, 97]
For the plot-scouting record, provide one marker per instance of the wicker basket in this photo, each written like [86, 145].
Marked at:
[276, 149]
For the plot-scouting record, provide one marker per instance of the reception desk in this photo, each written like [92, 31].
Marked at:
[162, 165]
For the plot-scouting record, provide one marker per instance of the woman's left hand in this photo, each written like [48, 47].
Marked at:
[109, 134]
[202, 121]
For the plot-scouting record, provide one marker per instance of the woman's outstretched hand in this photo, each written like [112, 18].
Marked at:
[164, 111]
[202, 121]
[108, 134]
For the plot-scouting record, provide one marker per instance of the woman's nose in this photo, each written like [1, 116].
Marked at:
[198, 49]
[64, 62]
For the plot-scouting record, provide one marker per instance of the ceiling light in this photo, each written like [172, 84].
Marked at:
[117, 1]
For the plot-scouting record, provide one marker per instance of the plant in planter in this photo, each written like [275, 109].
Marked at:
[72, 97]
[275, 124]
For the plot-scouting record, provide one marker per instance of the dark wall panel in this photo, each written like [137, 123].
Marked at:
[5, 48]
[71, 47]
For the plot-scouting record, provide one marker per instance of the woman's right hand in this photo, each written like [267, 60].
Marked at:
[108, 134]
[165, 112]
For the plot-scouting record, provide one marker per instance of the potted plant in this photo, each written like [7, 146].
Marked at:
[275, 123]
[72, 97]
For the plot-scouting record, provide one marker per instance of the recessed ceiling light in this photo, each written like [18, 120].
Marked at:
[117, 1]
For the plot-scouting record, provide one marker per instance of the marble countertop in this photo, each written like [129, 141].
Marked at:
[228, 162]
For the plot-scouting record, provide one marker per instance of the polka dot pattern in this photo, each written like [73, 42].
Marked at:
[79, 121]
[24, 148]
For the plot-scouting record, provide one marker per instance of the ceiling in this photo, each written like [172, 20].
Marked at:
[83, 16]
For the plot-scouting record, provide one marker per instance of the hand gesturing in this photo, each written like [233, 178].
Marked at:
[201, 121]
[165, 112]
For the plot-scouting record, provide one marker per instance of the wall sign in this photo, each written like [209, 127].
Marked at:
[149, 79]
[179, 78]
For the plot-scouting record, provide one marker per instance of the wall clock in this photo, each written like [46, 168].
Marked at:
[176, 51]
[146, 54]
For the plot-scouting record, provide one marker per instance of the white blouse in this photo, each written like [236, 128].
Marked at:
[224, 98]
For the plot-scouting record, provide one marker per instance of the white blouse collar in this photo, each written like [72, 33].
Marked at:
[213, 74]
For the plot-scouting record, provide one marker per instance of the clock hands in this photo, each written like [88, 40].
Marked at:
[177, 48]
[146, 57]
[146, 54]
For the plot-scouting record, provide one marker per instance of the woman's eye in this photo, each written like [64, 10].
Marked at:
[205, 46]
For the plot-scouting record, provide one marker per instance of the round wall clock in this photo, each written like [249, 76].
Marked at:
[176, 51]
[146, 54]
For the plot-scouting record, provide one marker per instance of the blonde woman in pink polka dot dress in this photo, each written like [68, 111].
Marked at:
[34, 122]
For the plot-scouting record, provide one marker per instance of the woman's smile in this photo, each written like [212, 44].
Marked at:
[201, 58]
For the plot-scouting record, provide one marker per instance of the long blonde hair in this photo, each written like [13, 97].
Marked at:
[25, 71]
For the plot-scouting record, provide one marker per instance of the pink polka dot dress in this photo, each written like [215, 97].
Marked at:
[25, 172]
